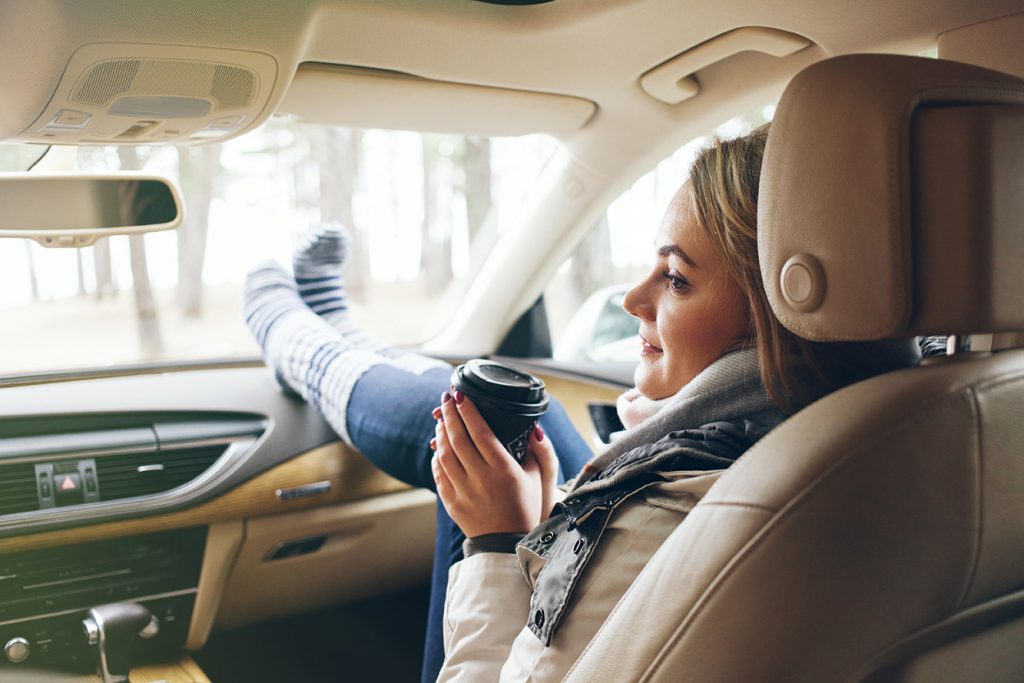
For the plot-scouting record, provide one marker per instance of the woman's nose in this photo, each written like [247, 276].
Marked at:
[637, 303]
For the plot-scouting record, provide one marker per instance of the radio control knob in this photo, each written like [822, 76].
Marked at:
[16, 650]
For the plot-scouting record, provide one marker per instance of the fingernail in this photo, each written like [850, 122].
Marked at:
[445, 397]
[459, 397]
[538, 432]
[433, 444]
[440, 419]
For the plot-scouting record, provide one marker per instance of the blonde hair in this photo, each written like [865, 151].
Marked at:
[724, 179]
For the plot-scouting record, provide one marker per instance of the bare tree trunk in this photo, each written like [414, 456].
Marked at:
[198, 172]
[104, 269]
[33, 279]
[337, 152]
[145, 305]
[150, 340]
[437, 234]
[477, 164]
[79, 267]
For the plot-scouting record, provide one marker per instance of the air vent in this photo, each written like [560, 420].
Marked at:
[148, 455]
[140, 474]
[17, 488]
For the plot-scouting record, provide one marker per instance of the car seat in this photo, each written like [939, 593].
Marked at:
[878, 534]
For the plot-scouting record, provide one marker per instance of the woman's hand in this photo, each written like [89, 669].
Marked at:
[483, 488]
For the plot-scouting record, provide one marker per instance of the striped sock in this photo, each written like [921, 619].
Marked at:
[317, 263]
[306, 354]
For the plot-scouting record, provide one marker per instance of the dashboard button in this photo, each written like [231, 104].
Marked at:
[69, 118]
[68, 487]
[16, 650]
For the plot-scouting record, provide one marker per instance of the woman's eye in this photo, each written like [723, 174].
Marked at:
[676, 283]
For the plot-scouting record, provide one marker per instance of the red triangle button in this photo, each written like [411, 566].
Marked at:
[68, 484]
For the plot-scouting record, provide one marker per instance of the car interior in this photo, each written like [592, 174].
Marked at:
[187, 520]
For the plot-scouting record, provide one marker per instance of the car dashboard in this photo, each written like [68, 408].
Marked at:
[209, 497]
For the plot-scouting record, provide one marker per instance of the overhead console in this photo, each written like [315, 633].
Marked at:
[152, 464]
[124, 93]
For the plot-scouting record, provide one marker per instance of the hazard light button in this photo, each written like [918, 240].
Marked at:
[68, 487]
[67, 482]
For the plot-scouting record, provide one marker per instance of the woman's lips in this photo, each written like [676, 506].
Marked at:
[647, 348]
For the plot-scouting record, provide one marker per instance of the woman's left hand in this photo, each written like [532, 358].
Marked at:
[483, 488]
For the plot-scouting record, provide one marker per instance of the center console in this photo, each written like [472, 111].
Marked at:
[46, 594]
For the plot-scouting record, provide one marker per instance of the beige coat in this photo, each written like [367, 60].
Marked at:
[488, 596]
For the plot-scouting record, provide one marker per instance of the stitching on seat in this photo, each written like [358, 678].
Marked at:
[941, 403]
[980, 493]
[892, 655]
[750, 506]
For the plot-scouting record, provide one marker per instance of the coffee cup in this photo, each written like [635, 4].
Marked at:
[510, 400]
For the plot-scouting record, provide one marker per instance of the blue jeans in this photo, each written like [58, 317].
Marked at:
[389, 421]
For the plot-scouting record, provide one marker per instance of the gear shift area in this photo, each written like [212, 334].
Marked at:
[115, 629]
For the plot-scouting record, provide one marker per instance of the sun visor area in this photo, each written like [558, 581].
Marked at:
[370, 98]
[121, 93]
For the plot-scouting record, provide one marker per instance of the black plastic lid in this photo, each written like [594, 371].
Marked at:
[501, 385]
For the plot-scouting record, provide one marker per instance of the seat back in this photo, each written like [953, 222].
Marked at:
[876, 535]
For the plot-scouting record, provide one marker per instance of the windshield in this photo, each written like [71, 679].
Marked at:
[423, 211]
[20, 157]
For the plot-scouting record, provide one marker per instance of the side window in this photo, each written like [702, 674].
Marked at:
[584, 299]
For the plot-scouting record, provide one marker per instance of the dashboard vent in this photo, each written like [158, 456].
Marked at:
[17, 488]
[140, 474]
[122, 457]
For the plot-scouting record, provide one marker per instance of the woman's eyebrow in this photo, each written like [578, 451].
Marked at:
[673, 250]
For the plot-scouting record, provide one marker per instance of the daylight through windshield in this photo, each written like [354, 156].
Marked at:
[423, 210]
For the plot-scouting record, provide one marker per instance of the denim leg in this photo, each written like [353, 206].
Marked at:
[390, 423]
[447, 551]
[572, 451]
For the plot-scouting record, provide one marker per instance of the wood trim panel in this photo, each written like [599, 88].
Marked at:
[352, 477]
[182, 671]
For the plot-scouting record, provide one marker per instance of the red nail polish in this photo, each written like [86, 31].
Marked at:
[459, 397]
[538, 432]
[445, 397]
[440, 418]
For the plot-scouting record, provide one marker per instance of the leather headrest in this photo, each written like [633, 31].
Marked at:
[892, 200]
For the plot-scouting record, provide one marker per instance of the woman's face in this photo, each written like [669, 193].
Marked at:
[690, 310]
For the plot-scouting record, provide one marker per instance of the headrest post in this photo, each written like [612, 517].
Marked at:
[967, 343]
[958, 343]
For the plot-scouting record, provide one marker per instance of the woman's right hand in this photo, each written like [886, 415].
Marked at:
[482, 487]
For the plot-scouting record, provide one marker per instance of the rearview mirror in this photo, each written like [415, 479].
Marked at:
[70, 210]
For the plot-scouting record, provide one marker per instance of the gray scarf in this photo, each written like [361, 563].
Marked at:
[729, 389]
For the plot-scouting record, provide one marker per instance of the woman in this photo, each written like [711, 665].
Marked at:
[717, 372]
